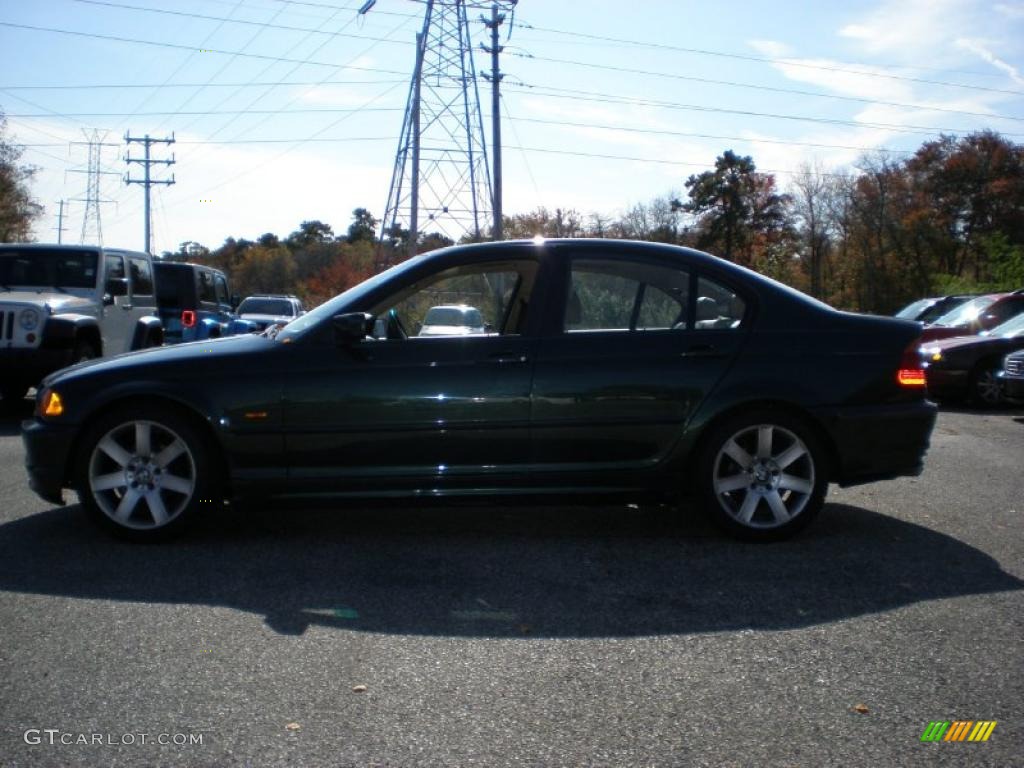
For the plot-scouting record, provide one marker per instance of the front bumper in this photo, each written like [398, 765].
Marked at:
[1013, 387]
[879, 442]
[47, 454]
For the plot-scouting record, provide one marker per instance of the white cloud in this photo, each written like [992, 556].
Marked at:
[979, 49]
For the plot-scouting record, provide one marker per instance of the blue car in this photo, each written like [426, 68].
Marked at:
[195, 303]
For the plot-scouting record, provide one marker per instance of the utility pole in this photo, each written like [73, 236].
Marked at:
[60, 223]
[146, 181]
[91, 221]
[497, 19]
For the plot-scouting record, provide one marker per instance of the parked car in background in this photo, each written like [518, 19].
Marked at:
[62, 304]
[269, 309]
[982, 313]
[195, 303]
[452, 320]
[594, 380]
[931, 309]
[967, 367]
[1012, 376]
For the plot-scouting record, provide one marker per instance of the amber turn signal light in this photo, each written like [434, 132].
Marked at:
[52, 405]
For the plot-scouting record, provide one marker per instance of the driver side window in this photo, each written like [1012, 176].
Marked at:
[471, 300]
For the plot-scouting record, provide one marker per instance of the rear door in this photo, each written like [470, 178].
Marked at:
[116, 323]
[635, 344]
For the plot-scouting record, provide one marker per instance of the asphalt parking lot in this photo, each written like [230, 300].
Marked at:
[535, 636]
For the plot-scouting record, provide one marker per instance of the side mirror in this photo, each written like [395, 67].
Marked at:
[108, 300]
[235, 301]
[351, 327]
[117, 286]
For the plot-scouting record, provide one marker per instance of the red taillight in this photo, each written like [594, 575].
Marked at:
[188, 318]
[910, 373]
[911, 377]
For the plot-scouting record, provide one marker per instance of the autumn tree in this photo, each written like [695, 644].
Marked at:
[363, 227]
[17, 208]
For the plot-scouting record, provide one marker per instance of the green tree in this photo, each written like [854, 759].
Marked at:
[17, 208]
[734, 203]
[363, 227]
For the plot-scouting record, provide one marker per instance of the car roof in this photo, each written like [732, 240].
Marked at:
[186, 265]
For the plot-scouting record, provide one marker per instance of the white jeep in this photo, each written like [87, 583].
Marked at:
[62, 304]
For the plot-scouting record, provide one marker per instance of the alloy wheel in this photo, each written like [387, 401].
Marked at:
[142, 475]
[763, 476]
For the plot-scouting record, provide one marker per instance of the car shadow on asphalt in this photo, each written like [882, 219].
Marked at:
[504, 571]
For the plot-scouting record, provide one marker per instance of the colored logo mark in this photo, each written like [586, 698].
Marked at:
[958, 730]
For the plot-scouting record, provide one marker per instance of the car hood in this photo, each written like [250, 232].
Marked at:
[57, 302]
[174, 361]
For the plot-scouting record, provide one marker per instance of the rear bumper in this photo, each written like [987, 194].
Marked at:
[879, 442]
[47, 450]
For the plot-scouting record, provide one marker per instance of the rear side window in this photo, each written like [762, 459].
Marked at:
[207, 293]
[621, 295]
[718, 306]
[142, 276]
[221, 287]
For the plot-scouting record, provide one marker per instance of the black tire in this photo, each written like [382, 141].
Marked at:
[763, 492]
[126, 488]
[985, 390]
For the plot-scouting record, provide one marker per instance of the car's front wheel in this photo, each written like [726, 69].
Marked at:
[144, 473]
[763, 475]
[986, 389]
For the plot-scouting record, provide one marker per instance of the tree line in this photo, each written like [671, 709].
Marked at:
[946, 218]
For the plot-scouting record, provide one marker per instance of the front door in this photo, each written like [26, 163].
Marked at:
[427, 411]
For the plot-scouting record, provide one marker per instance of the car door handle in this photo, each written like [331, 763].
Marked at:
[126, 307]
[702, 350]
[506, 358]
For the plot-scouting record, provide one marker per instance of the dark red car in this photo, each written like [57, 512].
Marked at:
[979, 314]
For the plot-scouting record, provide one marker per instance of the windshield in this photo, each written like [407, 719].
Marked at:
[258, 306]
[911, 311]
[41, 268]
[966, 313]
[1012, 327]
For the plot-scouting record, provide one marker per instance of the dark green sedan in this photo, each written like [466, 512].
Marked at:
[607, 367]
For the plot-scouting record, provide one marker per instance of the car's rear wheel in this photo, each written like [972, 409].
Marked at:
[144, 473]
[763, 475]
[986, 390]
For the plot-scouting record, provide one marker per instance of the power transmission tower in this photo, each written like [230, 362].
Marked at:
[146, 181]
[495, 77]
[91, 221]
[441, 178]
[60, 222]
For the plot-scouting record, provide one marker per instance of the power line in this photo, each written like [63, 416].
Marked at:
[773, 61]
[631, 129]
[181, 47]
[598, 97]
[209, 112]
[250, 84]
[772, 89]
[267, 25]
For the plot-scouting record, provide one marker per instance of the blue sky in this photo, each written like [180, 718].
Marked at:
[872, 75]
